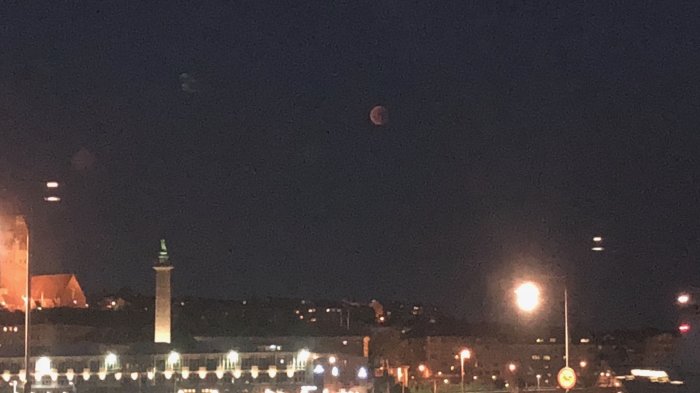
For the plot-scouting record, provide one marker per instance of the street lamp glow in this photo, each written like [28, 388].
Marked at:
[463, 354]
[110, 360]
[232, 356]
[51, 184]
[52, 198]
[43, 366]
[683, 298]
[527, 296]
[362, 373]
[512, 367]
[303, 355]
[173, 358]
[597, 239]
[583, 364]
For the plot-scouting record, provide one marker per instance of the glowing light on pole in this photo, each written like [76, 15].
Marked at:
[527, 296]
[303, 356]
[683, 298]
[362, 373]
[463, 355]
[110, 361]
[173, 358]
[232, 357]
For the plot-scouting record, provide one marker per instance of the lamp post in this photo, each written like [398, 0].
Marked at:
[463, 355]
[51, 198]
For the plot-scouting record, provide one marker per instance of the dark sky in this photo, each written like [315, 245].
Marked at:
[241, 134]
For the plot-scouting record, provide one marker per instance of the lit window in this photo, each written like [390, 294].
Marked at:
[535, 357]
[552, 340]
[547, 357]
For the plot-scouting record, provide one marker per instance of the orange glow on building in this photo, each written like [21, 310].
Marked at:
[57, 290]
[14, 236]
[48, 291]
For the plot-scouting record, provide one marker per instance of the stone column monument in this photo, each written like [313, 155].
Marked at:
[163, 296]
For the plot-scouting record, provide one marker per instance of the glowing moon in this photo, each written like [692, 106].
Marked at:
[379, 115]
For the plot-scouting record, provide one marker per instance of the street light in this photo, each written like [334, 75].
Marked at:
[527, 296]
[28, 295]
[512, 367]
[538, 376]
[683, 298]
[173, 358]
[463, 355]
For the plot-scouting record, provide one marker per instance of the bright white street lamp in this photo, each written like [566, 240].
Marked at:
[110, 360]
[43, 366]
[527, 296]
[683, 298]
[303, 356]
[173, 358]
[463, 355]
[362, 373]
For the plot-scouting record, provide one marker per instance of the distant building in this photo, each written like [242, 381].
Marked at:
[349, 345]
[126, 370]
[14, 237]
[491, 359]
[48, 291]
[57, 290]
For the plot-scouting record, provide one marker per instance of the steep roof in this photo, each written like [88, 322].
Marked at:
[53, 286]
[50, 285]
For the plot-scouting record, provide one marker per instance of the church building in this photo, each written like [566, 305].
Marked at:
[48, 291]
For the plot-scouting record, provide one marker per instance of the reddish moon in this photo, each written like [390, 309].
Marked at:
[379, 115]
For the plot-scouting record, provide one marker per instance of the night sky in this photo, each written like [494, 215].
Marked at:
[240, 133]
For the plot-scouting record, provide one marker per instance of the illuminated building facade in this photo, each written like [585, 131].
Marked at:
[299, 371]
[48, 291]
[14, 237]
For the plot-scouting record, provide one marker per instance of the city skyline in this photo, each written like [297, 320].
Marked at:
[510, 138]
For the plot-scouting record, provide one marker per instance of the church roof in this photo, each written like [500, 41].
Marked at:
[50, 284]
[57, 290]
